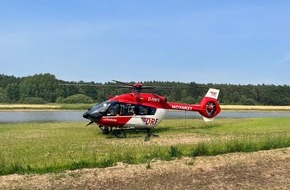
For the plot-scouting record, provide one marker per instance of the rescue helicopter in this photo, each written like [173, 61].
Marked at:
[144, 111]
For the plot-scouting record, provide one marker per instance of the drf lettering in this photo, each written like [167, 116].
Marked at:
[151, 121]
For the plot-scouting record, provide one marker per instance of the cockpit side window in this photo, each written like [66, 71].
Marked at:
[131, 109]
[127, 109]
[124, 109]
[145, 110]
[113, 109]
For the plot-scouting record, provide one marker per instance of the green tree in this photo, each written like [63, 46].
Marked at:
[12, 91]
[3, 97]
[42, 86]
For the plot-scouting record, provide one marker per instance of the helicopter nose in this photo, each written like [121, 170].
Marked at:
[86, 115]
[92, 116]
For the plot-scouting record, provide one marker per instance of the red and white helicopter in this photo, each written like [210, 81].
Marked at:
[138, 110]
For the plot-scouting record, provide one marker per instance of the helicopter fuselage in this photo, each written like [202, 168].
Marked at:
[136, 110]
[145, 110]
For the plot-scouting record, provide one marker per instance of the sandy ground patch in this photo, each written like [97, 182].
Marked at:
[258, 170]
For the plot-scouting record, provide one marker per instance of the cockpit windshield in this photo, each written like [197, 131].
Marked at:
[102, 107]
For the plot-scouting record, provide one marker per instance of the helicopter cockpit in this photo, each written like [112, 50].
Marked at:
[96, 112]
[102, 107]
[115, 108]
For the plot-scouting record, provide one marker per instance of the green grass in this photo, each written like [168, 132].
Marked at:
[58, 146]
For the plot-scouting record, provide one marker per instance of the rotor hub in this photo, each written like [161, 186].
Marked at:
[211, 108]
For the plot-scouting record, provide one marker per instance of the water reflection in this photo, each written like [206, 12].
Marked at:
[55, 116]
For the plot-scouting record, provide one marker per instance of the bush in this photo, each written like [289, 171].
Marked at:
[77, 98]
[33, 100]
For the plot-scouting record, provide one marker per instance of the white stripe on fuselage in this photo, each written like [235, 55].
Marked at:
[147, 121]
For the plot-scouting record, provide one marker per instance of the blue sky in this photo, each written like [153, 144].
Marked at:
[237, 42]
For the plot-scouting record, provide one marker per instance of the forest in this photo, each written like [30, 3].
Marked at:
[46, 88]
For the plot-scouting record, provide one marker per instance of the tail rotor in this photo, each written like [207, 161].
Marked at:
[211, 108]
[209, 105]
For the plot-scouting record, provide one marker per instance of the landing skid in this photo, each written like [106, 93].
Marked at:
[122, 132]
[149, 135]
[105, 129]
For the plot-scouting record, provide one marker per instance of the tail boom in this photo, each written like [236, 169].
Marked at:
[208, 107]
[186, 107]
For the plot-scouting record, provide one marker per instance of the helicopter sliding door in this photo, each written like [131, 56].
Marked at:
[132, 115]
[148, 117]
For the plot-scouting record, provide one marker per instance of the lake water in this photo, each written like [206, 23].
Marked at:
[57, 116]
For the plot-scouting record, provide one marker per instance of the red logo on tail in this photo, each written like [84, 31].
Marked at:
[213, 93]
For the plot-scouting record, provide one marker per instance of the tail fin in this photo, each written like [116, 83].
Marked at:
[212, 93]
[209, 105]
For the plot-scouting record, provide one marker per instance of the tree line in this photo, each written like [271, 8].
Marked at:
[46, 88]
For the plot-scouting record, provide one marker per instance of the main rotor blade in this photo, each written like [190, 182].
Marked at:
[118, 86]
[115, 85]
[68, 84]
[149, 87]
[158, 87]
[94, 85]
[124, 83]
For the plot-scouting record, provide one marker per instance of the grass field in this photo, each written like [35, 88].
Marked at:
[55, 147]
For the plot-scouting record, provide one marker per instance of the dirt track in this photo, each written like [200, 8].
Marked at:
[259, 170]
